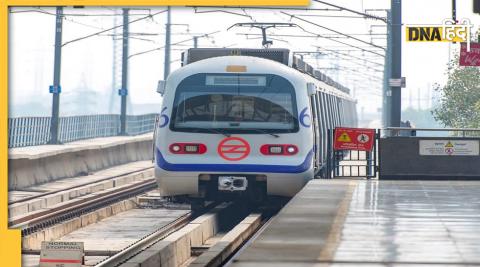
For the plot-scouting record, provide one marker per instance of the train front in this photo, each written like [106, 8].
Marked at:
[231, 127]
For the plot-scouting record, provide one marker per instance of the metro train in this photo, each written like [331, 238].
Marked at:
[249, 123]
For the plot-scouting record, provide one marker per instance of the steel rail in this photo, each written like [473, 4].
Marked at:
[149, 240]
[47, 218]
[76, 186]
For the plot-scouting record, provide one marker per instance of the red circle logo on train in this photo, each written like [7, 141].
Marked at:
[233, 148]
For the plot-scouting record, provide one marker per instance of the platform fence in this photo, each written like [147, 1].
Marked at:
[32, 131]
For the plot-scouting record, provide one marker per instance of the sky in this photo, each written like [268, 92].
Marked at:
[87, 64]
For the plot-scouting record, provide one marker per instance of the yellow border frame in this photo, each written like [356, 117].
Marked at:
[10, 240]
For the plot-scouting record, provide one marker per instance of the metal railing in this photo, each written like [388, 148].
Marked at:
[407, 131]
[32, 131]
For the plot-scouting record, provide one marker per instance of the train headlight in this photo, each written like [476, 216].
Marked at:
[279, 149]
[188, 148]
[175, 148]
[191, 148]
[275, 150]
[291, 149]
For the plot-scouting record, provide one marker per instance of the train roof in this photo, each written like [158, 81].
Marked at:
[280, 55]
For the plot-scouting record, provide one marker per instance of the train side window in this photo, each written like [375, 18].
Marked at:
[321, 124]
[342, 111]
[331, 112]
[335, 113]
[337, 108]
[348, 113]
[327, 111]
[315, 128]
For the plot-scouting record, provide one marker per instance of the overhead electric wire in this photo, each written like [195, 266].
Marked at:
[39, 10]
[347, 44]
[332, 30]
[356, 63]
[307, 36]
[162, 47]
[329, 16]
[353, 11]
[343, 68]
[109, 29]
[344, 54]
[223, 11]
[353, 61]
[267, 8]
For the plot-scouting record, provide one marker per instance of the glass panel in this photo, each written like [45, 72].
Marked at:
[235, 103]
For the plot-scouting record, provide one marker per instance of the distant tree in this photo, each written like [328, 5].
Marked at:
[459, 105]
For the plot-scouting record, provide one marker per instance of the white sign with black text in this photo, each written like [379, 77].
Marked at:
[61, 254]
[449, 147]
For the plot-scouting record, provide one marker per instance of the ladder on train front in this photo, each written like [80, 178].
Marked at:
[352, 152]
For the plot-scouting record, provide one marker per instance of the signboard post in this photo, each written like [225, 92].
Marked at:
[61, 254]
[353, 139]
[470, 58]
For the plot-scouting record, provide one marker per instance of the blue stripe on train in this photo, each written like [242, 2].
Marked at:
[304, 166]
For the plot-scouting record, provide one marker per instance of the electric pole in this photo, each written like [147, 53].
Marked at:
[396, 106]
[55, 89]
[454, 11]
[195, 41]
[123, 92]
[387, 92]
[166, 67]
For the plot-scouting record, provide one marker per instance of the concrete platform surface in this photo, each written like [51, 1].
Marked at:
[66, 183]
[373, 223]
[34, 152]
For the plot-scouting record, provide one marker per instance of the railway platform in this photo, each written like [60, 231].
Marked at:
[358, 222]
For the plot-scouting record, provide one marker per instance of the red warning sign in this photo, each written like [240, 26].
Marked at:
[472, 57]
[233, 148]
[353, 139]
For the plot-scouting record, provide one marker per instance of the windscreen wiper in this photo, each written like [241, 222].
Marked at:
[262, 131]
[214, 131]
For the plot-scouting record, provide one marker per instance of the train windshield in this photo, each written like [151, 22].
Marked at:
[235, 103]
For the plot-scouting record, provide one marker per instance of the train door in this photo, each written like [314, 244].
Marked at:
[316, 135]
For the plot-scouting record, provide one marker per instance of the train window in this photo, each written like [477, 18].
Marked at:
[337, 114]
[235, 103]
[321, 123]
[327, 109]
[324, 123]
[342, 111]
[337, 109]
[334, 113]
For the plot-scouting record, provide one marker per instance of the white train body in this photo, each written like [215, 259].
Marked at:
[235, 117]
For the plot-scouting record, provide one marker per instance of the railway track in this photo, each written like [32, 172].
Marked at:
[52, 192]
[146, 242]
[37, 221]
[234, 229]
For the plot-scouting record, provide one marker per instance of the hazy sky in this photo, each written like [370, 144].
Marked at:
[87, 64]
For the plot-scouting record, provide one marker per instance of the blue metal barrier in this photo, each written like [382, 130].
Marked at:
[32, 131]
